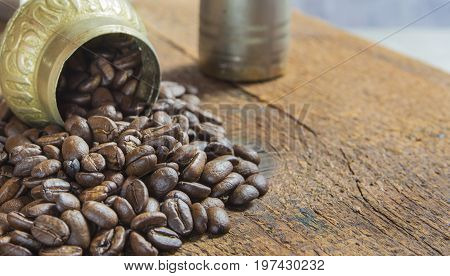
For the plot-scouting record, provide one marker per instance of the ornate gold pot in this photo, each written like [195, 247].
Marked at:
[43, 34]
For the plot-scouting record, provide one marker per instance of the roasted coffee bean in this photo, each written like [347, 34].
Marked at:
[152, 205]
[233, 159]
[78, 99]
[18, 153]
[46, 168]
[54, 186]
[128, 143]
[259, 182]
[90, 84]
[228, 185]
[99, 193]
[124, 210]
[179, 194]
[166, 165]
[108, 242]
[14, 204]
[115, 159]
[71, 168]
[191, 99]
[216, 149]
[140, 246]
[115, 177]
[68, 110]
[194, 190]
[247, 153]
[145, 221]
[18, 221]
[107, 71]
[141, 161]
[164, 239]
[104, 130]
[162, 181]
[77, 62]
[64, 250]
[74, 147]
[212, 202]
[31, 182]
[169, 89]
[15, 141]
[79, 229]
[216, 171]
[101, 96]
[137, 195]
[52, 152]
[200, 218]
[41, 209]
[9, 249]
[50, 231]
[160, 118]
[193, 171]
[246, 168]
[10, 189]
[100, 214]
[93, 162]
[184, 155]
[179, 217]
[120, 78]
[78, 126]
[218, 221]
[36, 192]
[162, 153]
[67, 201]
[108, 111]
[129, 88]
[129, 61]
[25, 239]
[56, 139]
[24, 167]
[89, 180]
[243, 195]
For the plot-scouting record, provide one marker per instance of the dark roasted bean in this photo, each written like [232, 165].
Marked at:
[124, 210]
[100, 214]
[108, 242]
[228, 185]
[194, 190]
[10, 189]
[200, 218]
[50, 231]
[246, 168]
[89, 180]
[243, 195]
[212, 202]
[162, 181]
[64, 250]
[78, 126]
[216, 171]
[67, 201]
[25, 239]
[54, 186]
[93, 162]
[259, 182]
[46, 168]
[145, 221]
[179, 217]
[137, 195]
[74, 147]
[104, 130]
[9, 249]
[179, 194]
[164, 239]
[79, 229]
[18, 153]
[24, 167]
[18, 221]
[140, 246]
[218, 221]
[193, 171]
[52, 152]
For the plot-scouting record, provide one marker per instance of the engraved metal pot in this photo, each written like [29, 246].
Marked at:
[244, 40]
[43, 34]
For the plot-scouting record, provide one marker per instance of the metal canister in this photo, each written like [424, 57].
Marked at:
[43, 34]
[244, 40]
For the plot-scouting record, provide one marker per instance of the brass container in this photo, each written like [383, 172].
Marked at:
[43, 34]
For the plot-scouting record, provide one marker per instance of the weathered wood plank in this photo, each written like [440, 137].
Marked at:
[372, 179]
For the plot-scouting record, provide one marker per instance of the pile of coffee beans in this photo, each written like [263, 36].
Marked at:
[113, 181]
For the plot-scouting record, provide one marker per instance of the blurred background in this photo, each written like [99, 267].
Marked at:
[428, 40]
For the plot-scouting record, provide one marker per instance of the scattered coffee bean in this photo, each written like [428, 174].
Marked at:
[218, 221]
[243, 195]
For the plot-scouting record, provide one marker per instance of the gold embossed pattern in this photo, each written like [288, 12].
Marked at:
[25, 38]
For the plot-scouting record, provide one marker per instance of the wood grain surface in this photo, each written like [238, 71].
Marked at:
[358, 156]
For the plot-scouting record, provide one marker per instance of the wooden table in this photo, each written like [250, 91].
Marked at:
[358, 156]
